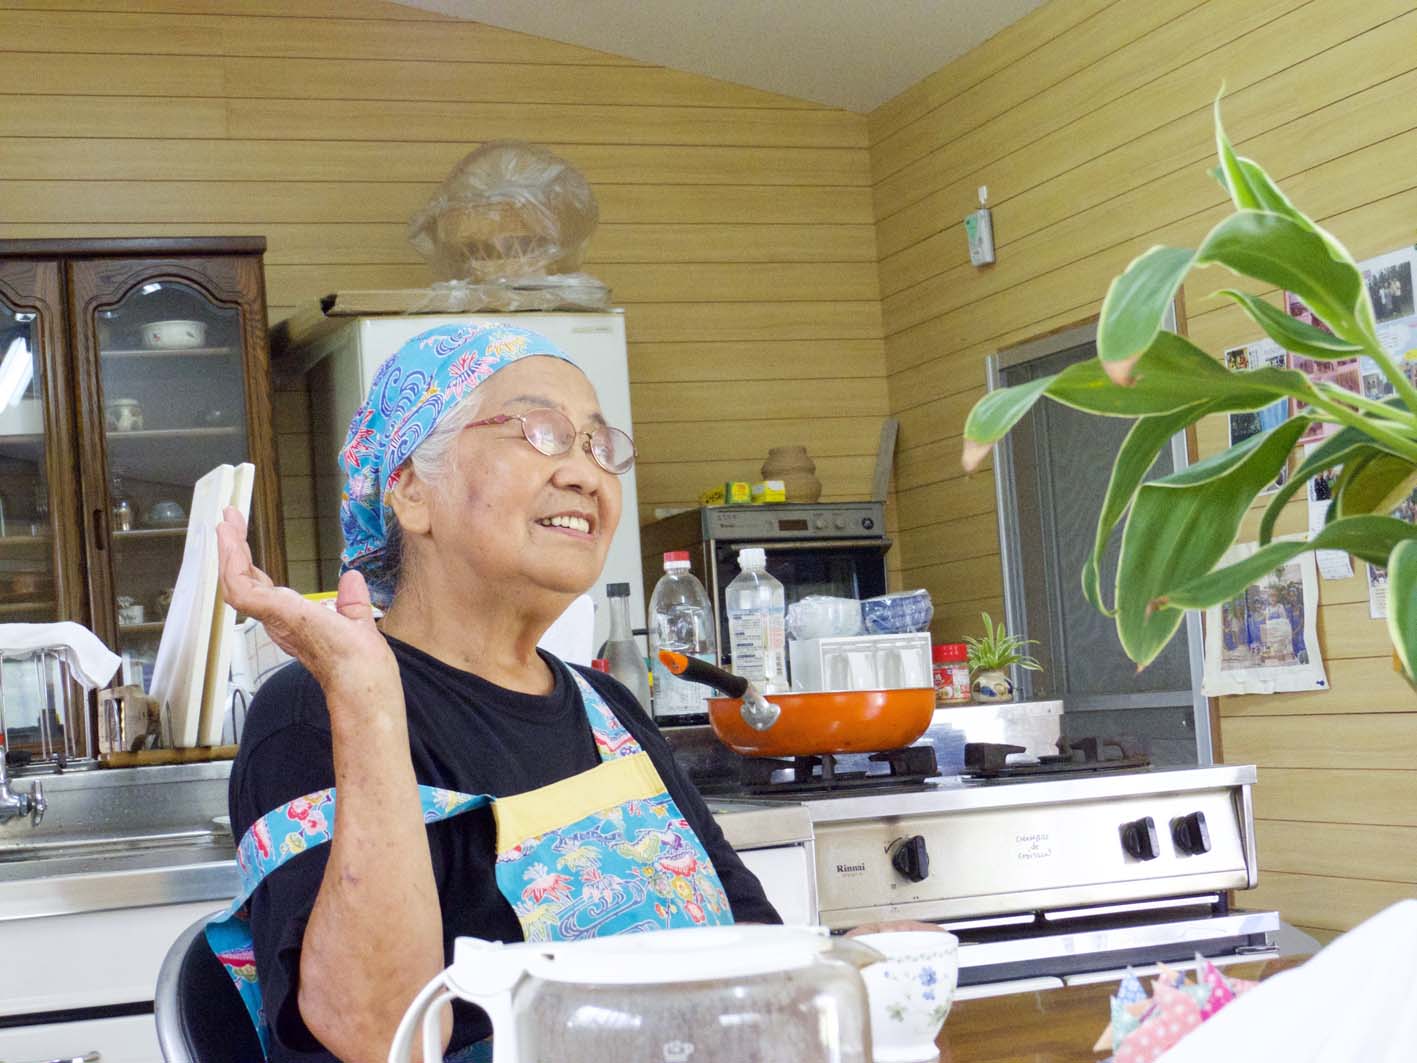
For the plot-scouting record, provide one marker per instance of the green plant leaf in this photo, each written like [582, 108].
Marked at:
[1377, 483]
[1181, 525]
[1229, 173]
[1139, 451]
[1402, 605]
[1291, 333]
[996, 413]
[1279, 250]
[1369, 538]
[1345, 445]
[1135, 306]
[1172, 374]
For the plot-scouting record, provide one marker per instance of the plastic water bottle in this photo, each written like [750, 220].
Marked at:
[680, 619]
[627, 664]
[757, 623]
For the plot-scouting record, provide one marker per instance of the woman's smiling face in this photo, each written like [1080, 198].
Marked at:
[516, 517]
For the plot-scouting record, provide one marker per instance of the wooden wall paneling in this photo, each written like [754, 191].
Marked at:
[681, 483]
[1335, 850]
[755, 400]
[110, 158]
[1180, 194]
[1334, 904]
[946, 501]
[1362, 741]
[1318, 94]
[1168, 38]
[1380, 797]
[767, 322]
[1091, 41]
[1143, 64]
[298, 202]
[489, 82]
[689, 440]
[475, 121]
[1065, 173]
[1006, 50]
[738, 360]
[232, 32]
[339, 242]
[631, 282]
[1356, 684]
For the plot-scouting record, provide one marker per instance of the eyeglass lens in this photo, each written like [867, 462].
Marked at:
[552, 433]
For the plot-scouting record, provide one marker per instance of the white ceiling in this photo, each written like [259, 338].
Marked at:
[854, 54]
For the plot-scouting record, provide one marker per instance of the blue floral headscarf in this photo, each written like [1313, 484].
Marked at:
[412, 391]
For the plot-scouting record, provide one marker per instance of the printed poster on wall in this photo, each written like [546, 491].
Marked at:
[1333, 564]
[1377, 574]
[1265, 639]
[1261, 354]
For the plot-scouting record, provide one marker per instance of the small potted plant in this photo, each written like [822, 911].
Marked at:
[990, 658]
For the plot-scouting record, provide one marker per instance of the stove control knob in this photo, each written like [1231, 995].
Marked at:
[820, 523]
[1139, 839]
[1190, 833]
[911, 858]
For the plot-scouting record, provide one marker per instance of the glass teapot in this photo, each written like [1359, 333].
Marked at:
[733, 994]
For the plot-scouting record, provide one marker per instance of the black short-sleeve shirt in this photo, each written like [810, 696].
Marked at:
[465, 734]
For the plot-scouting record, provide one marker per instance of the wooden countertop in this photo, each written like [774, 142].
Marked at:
[1053, 1026]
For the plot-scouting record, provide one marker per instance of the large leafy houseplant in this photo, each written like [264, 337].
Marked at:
[1178, 528]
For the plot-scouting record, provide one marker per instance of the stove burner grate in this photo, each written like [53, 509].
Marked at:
[822, 774]
[1075, 756]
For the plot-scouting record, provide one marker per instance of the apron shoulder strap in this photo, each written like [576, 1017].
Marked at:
[611, 738]
[308, 821]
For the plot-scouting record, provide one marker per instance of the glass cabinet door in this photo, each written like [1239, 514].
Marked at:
[28, 587]
[174, 407]
[42, 715]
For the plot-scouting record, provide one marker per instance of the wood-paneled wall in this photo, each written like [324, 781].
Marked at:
[1090, 123]
[736, 226]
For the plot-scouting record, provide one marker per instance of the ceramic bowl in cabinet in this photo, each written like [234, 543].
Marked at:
[174, 335]
[910, 992]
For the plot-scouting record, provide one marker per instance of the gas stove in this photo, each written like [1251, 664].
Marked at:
[1054, 866]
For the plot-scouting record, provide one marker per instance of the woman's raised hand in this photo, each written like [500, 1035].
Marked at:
[341, 647]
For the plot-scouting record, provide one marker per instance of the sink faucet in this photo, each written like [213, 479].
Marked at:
[16, 803]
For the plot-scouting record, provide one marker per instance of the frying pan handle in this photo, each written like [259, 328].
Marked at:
[697, 671]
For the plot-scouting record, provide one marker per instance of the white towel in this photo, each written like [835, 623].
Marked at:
[90, 661]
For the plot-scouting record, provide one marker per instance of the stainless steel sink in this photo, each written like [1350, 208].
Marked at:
[120, 839]
[95, 856]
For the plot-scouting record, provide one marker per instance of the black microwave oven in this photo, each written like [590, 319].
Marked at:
[833, 548]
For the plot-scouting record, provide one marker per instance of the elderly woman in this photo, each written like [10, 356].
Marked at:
[484, 787]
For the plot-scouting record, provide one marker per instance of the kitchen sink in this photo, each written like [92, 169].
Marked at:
[106, 855]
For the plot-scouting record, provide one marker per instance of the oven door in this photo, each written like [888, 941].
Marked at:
[841, 568]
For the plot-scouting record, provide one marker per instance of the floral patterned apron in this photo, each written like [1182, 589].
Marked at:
[603, 852]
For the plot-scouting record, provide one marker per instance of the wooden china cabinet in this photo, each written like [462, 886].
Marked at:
[128, 369]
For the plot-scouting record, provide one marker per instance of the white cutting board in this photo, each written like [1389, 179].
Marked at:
[180, 671]
[223, 636]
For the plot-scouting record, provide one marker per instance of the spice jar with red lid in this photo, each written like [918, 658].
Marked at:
[950, 664]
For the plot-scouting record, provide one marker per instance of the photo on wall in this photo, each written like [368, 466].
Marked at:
[1264, 640]
[1262, 354]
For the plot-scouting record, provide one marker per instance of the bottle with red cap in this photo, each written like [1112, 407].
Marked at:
[680, 619]
[951, 668]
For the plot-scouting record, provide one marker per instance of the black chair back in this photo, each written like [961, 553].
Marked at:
[200, 1015]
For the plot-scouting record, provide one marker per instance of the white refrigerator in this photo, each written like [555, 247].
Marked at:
[343, 362]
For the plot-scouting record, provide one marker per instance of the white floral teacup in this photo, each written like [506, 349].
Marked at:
[911, 991]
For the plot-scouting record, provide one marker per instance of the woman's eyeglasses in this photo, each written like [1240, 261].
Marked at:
[552, 433]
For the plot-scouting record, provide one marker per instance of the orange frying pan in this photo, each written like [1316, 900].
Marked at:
[810, 724]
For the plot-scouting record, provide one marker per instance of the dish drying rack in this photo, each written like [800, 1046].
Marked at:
[45, 720]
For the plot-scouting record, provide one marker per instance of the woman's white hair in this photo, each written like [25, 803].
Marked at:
[433, 461]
